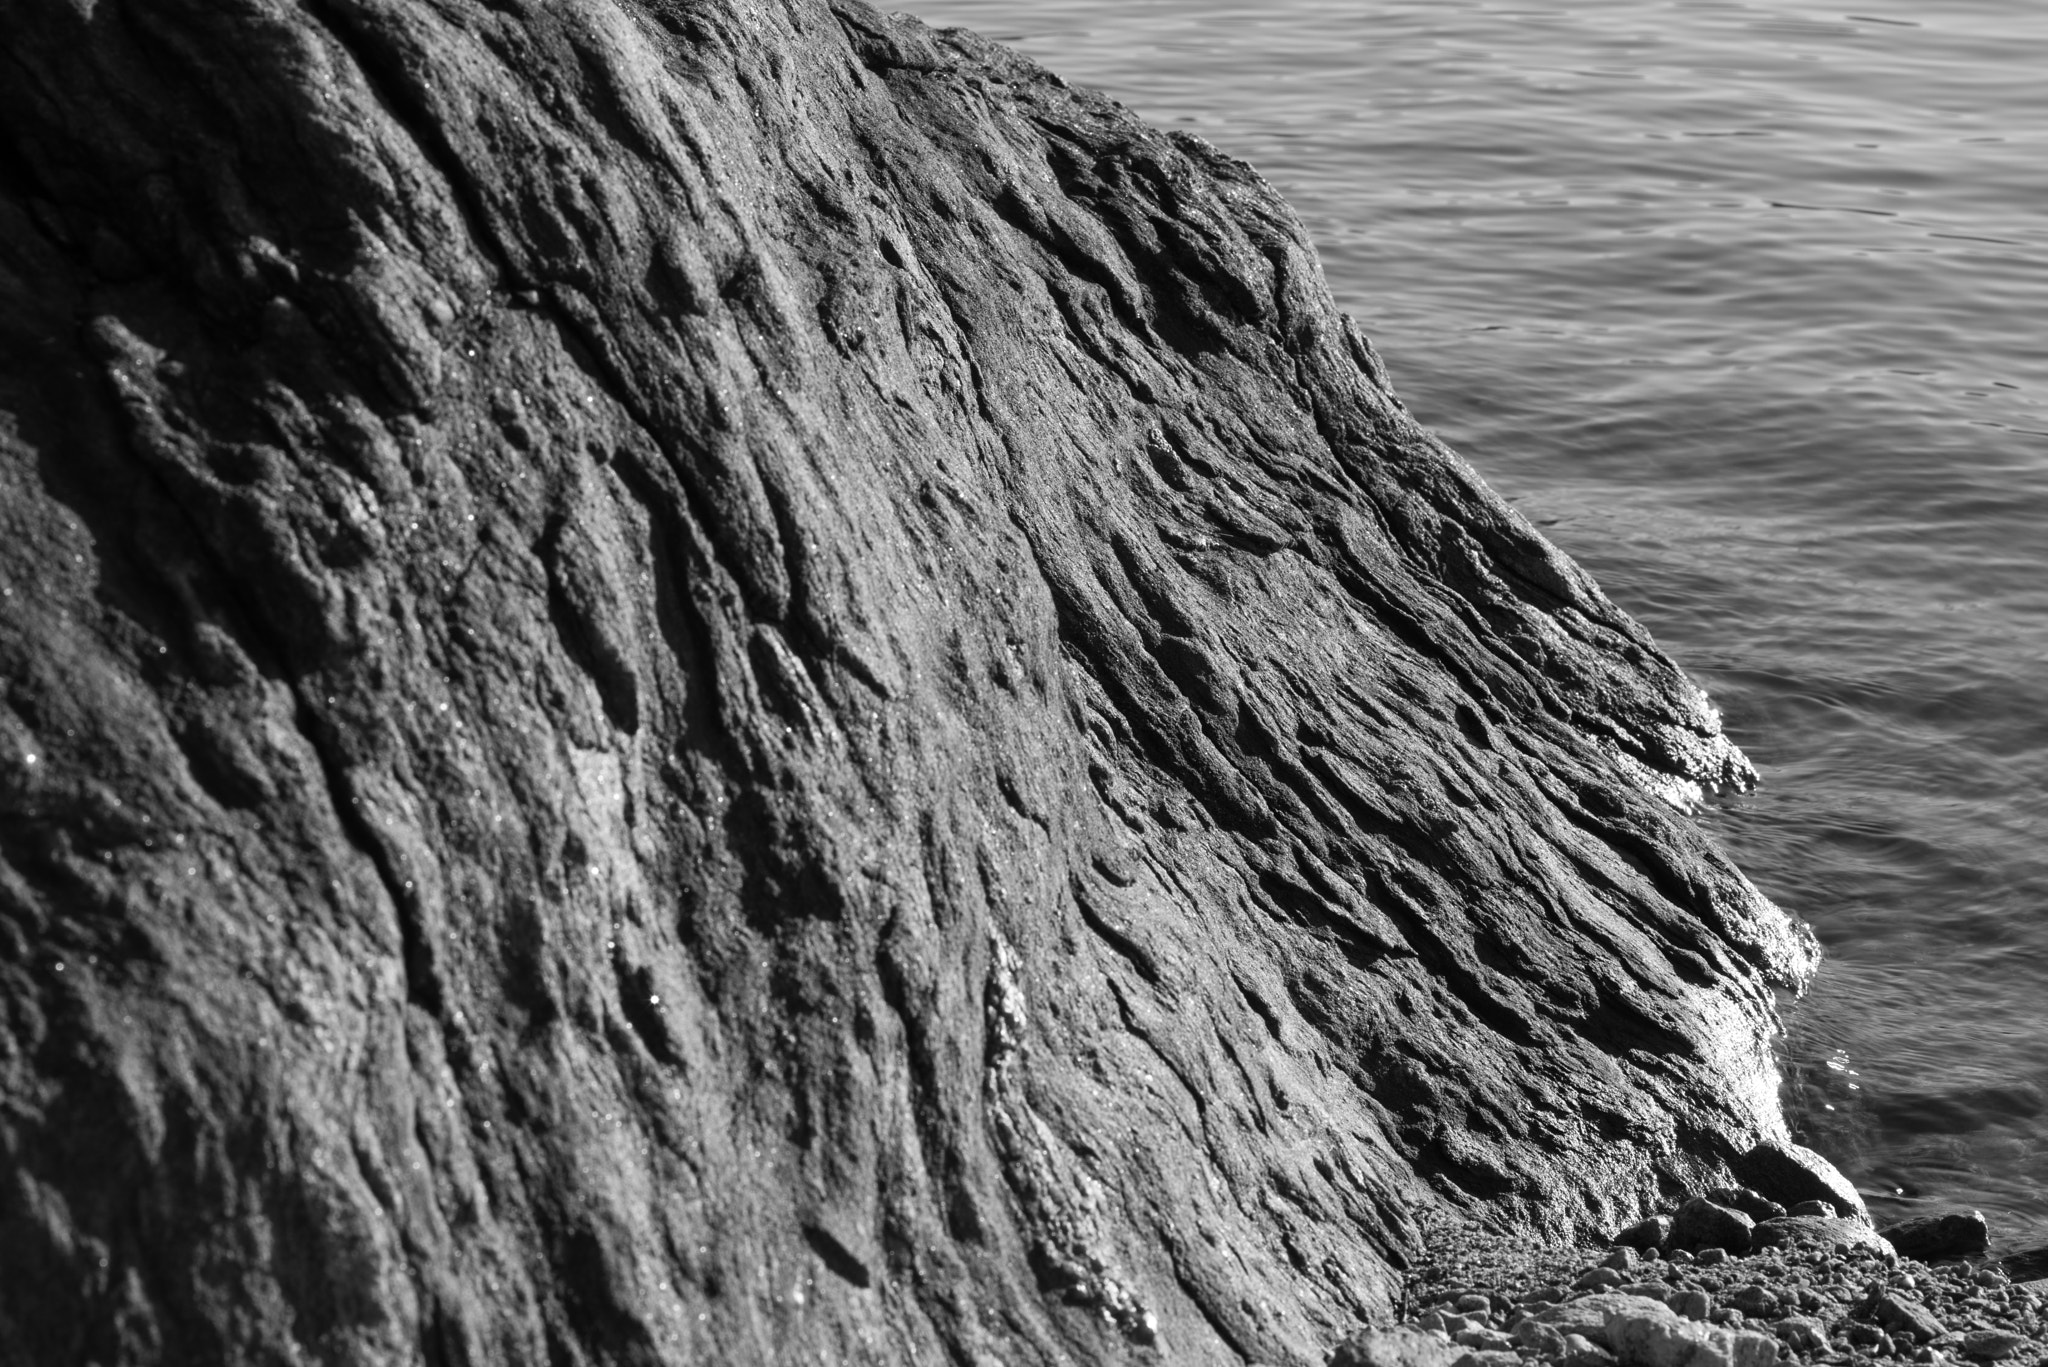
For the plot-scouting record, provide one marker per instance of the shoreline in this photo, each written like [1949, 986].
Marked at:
[1484, 1297]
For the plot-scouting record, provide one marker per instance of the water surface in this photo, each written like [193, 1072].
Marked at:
[1747, 305]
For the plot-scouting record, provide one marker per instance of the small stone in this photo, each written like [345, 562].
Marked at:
[1597, 1279]
[1620, 1259]
[1952, 1234]
[1824, 1210]
[1863, 1335]
[1654, 1291]
[1755, 1301]
[1400, 1347]
[1489, 1357]
[1908, 1316]
[1646, 1234]
[1487, 1340]
[1990, 1345]
[1678, 1256]
[1805, 1335]
[1701, 1224]
[1712, 1257]
[1472, 1303]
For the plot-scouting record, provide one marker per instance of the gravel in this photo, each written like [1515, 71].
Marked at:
[1821, 1299]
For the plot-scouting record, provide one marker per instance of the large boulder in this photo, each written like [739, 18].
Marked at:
[1950, 1234]
[717, 682]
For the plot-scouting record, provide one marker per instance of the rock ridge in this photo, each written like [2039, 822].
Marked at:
[712, 681]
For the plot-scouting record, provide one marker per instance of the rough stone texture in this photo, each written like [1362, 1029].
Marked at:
[1580, 1351]
[1904, 1315]
[1751, 1203]
[1397, 1347]
[1991, 1345]
[1802, 1333]
[1652, 1232]
[1642, 1332]
[1791, 1173]
[1660, 1338]
[1818, 1231]
[1951, 1234]
[1587, 1316]
[695, 681]
[1701, 1224]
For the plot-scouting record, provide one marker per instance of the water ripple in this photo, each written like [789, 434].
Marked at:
[1742, 302]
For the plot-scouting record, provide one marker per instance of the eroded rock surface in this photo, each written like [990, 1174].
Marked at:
[716, 682]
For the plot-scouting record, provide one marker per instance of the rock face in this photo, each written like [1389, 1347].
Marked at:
[695, 681]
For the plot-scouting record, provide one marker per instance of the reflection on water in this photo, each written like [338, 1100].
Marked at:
[1742, 302]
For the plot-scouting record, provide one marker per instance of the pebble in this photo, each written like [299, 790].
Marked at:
[1490, 1340]
[1803, 1334]
[1826, 1290]
[1754, 1301]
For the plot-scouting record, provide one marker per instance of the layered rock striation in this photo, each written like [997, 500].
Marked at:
[689, 680]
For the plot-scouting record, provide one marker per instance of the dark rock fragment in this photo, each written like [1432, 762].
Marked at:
[1747, 1200]
[2027, 1265]
[1951, 1234]
[1791, 1173]
[1754, 1301]
[1702, 1224]
[1902, 1314]
[1817, 1231]
[1653, 1232]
